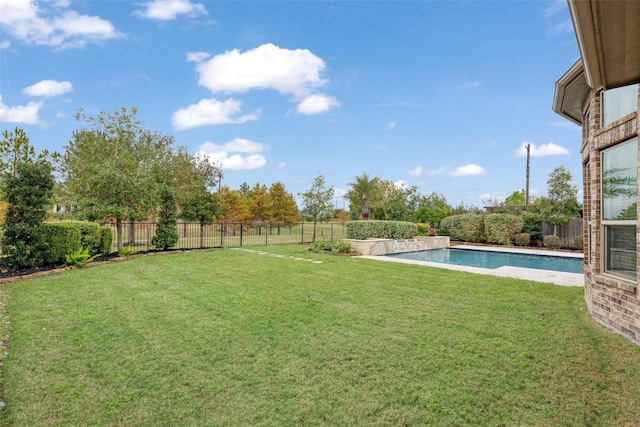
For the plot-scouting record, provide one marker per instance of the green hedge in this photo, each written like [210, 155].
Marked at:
[500, 228]
[64, 238]
[465, 227]
[381, 230]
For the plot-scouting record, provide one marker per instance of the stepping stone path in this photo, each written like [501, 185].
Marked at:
[313, 261]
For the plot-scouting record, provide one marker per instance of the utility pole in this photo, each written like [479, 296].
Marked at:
[526, 191]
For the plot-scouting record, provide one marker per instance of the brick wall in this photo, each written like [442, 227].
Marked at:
[612, 301]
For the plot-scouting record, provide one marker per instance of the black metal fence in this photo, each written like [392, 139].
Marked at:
[227, 235]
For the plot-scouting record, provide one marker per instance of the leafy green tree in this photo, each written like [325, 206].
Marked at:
[201, 208]
[28, 191]
[561, 204]
[166, 233]
[363, 193]
[393, 202]
[111, 168]
[317, 202]
[515, 199]
[433, 209]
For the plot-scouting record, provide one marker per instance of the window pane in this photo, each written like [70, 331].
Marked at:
[621, 250]
[617, 103]
[620, 181]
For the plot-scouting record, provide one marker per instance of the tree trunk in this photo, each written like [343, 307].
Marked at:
[365, 209]
[119, 233]
[132, 231]
[313, 239]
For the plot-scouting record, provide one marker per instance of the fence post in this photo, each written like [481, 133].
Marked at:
[266, 235]
[241, 227]
[221, 234]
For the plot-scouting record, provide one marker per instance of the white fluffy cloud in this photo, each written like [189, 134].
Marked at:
[317, 103]
[469, 170]
[26, 21]
[421, 171]
[166, 10]
[238, 154]
[48, 88]
[210, 112]
[549, 149]
[391, 125]
[296, 73]
[291, 72]
[27, 114]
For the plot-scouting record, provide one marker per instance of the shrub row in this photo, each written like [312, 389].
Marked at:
[500, 228]
[381, 230]
[64, 238]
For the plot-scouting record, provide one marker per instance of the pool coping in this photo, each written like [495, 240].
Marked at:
[545, 276]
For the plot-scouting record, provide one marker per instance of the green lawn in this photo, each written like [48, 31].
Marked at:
[242, 338]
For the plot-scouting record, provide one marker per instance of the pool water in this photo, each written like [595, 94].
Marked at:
[492, 260]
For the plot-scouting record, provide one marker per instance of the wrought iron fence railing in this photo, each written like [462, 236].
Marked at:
[227, 234]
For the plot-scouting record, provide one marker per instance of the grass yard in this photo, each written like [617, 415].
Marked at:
[237, 337]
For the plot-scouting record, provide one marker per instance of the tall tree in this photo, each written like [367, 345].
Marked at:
[364, 190]
[284, 210]
[111, 167]
[28, 191]
[433, 209]
[235, 205]
[561, 204]
[317, 202]
[166, 233]
[201, 208]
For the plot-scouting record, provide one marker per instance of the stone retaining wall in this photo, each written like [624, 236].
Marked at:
[390, 246]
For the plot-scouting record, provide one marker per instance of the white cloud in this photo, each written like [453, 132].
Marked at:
[197, 56]
[165, 10]
[223, 154]
[549, 149]
[25, 21]
[27, 114]
[48, 88]
[468, 85]
[238, 145]
[317, 103]
[290, 72]
[469, 170]
[421, 171]
[281, 165]
[296, 73]
[400, 183]
[5, 44]
[391, 125]
[417, 171]
[210, 112]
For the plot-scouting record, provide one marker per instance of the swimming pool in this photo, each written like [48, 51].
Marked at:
[494, 259]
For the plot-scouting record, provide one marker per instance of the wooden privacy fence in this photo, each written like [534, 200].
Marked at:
[566, 232]
[227, 234]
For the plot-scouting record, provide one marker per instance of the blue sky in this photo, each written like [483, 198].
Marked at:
[441, 95]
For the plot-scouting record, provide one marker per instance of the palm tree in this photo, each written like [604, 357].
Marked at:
[362, 192]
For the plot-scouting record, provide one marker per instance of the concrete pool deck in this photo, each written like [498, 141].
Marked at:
[545, 276]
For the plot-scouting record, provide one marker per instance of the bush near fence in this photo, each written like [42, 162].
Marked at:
[64, 238]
